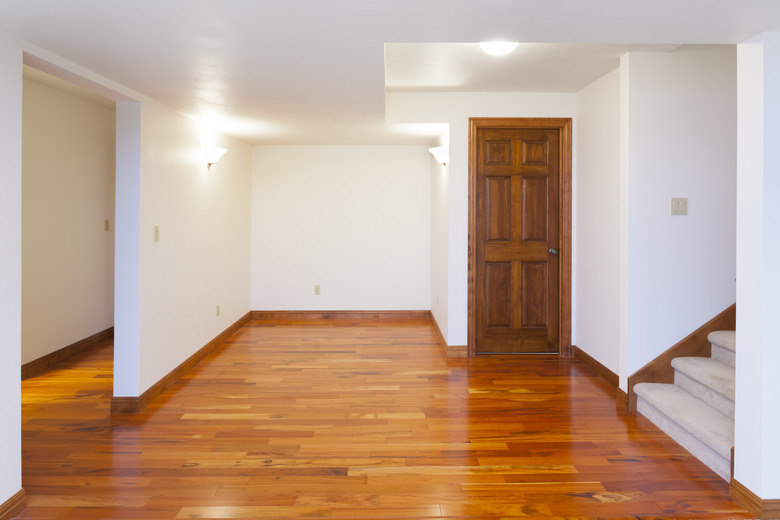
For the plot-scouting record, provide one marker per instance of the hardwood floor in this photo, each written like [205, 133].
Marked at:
[354, 419]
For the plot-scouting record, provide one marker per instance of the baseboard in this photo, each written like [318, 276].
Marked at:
[437, 330]
[764, 509]
[451, 351]
[695, 344]
[136, 404]
[621, 397]
[340, 315]
[457, 351]
[43, 364]
[13, 506]
[606, 374]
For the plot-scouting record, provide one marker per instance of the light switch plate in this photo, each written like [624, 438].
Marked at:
[679, 206]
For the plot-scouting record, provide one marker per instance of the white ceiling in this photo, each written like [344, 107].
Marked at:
[532, 67]
[313, 71]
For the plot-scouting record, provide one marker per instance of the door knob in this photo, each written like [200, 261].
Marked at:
[552, 251]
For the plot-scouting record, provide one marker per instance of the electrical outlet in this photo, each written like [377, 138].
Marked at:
[156, 233]
[316, 290]
[107, 226]
[217, 309]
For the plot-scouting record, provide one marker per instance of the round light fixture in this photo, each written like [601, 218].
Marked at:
[498, 48]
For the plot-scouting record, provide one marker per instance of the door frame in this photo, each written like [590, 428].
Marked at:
[564, 126]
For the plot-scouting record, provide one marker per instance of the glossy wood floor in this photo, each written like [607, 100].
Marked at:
[354, 419]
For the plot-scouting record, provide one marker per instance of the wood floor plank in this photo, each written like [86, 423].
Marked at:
[353, 419]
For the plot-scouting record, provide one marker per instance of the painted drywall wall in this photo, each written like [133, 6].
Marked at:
[201, 260]
[756, 452]
[597, 214]
[439, 245]
[10, 266]
[455, 108]
[681, 143]
[354, 220]
[167, 292]
[68, 193]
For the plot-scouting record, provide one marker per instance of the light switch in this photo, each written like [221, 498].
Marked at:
[679, 206]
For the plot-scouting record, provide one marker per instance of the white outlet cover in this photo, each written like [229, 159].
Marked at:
[679, 206]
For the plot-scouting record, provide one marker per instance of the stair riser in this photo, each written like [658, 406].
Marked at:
[724, 355]
[712, 397]
[716, 462]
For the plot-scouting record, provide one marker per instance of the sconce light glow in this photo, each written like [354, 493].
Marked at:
[440, 154]
[498, 48]
[213, 154]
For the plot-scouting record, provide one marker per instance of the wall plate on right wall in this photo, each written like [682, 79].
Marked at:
[679, 206]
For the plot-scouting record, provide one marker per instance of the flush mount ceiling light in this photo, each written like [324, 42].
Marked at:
[498, 48]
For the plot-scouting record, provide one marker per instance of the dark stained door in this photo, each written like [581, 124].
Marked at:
[518, 171]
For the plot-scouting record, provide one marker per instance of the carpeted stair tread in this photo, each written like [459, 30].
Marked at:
[708, 372]
[724, 344]
[707, 380]
[707, 424]
[724, 338]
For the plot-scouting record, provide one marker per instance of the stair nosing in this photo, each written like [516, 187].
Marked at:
[725, 339]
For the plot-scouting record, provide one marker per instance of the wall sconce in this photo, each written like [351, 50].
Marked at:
[213, 154]
[440, 154]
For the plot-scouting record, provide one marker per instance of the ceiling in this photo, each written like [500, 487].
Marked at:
[532, 67]
[316, 72]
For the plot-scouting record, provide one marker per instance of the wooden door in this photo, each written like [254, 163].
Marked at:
[516, 188]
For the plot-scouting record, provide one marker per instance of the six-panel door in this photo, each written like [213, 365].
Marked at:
[518, 171]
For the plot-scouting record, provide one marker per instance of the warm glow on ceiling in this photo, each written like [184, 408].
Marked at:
[498, 48]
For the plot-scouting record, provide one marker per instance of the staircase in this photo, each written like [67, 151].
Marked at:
[697, 410]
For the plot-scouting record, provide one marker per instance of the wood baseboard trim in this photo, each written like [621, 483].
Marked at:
[340, 315]
[695, 344]
[765, 509]
[457, 351]
[606, 374]
[622, 398]
[451, 351]
[13, 506]
[43, 364]
[437, 330]
[136, 404]
[611, 378]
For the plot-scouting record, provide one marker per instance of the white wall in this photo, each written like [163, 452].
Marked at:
[597, 214]
[10, 266]
[439, 245]
[456, 109]
[756, 452]
[202, 257]
[68, 193]
[353, 219]
[681, 143]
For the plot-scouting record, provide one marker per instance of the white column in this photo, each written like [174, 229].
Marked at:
[10, 266]
[127, 306]
[757, 452]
